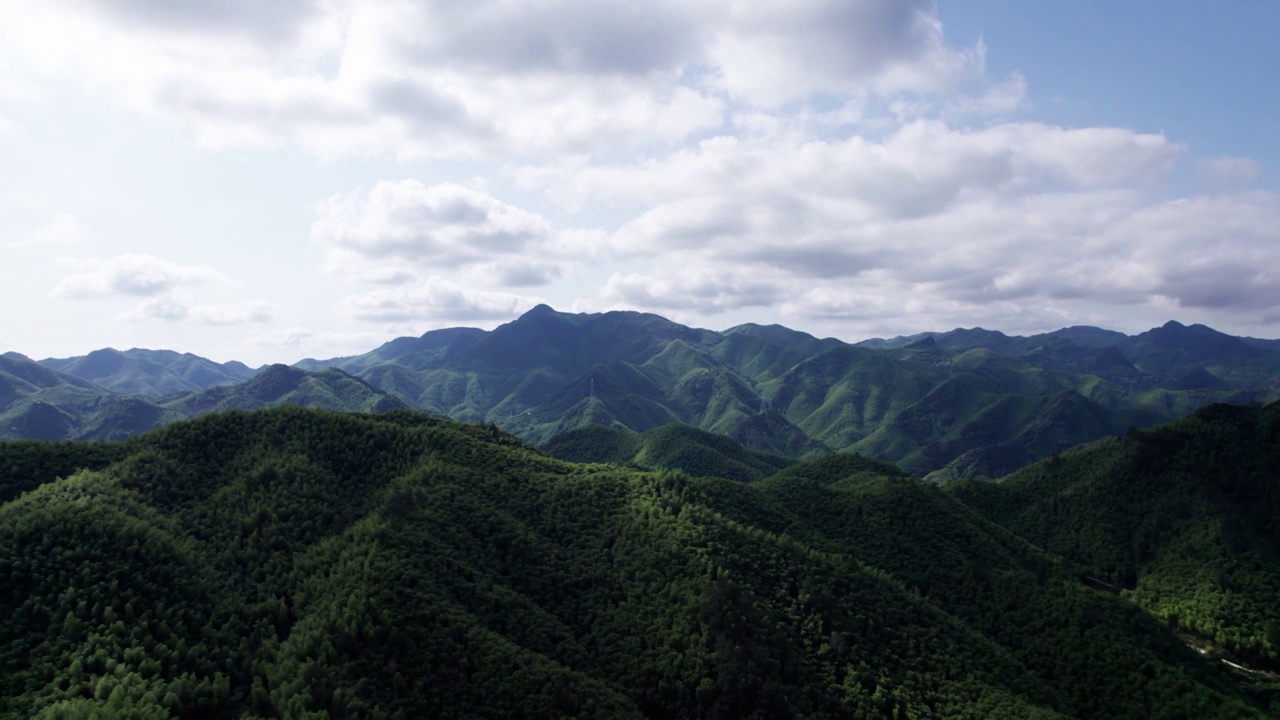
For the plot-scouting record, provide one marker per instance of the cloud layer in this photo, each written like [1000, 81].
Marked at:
[441, 78]
[836, 164]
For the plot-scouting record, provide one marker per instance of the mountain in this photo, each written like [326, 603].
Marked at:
[150, 373]
[329, 389]
[675, 446]
[421, 353]
[1185, 519]
[781, 391]
[37, 402]
[301, 563]
[1163, 357]
[1264, 344]
[956, 404]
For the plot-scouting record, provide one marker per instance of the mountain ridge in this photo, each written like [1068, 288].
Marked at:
[547, 372]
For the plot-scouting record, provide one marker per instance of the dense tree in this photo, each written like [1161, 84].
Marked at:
[303, 563]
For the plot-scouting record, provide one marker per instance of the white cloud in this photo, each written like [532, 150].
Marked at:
[65, 229]
[1001, 98]
[1230, 168]
[769, 54]
[1017, 223]
[163, 308]
[169, 308]
[234, 313]
[399, 230]
[437, 299]
[137, 275]
[284, 337]
[684, 289]
[269, 22]
[915, 170]
[297, 341]
[439, 78]
[835, 161]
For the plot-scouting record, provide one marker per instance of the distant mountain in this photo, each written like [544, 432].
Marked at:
[1264, 344]
[781, 391]
[329, 389]
[1185, 519]
[150, 373]
[37, 402]
[960, 403]
[1172, 356]
[299, 563]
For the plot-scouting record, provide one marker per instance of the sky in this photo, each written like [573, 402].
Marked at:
[309, 178]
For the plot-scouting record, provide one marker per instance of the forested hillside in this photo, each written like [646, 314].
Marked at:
[1184, 518]
[670, 447]
[303, 563]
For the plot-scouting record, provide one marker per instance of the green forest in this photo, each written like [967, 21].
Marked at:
[302, 563]
[1183, 519]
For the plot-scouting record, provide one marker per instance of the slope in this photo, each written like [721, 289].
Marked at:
[300, 563]
[330, 389]
[1184, 517]
[675, 447]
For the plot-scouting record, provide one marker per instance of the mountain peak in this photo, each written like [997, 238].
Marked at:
[539, 310]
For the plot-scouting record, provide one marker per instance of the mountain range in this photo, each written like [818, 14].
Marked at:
[956, 404]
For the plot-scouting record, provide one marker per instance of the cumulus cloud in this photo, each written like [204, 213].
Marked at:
[270, 21]
[65, 229]
[1007, 222]
[919, 168]
[161, 308]
[437, 299]
[699, 290]
[773, 53]
[234, 313]
[839, 161]
[318, 343]
[440, 78]
[137, 275]
[397, 230]
[284, 337]
[175, 309]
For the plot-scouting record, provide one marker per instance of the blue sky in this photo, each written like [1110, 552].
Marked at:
[1197, 70]
[318, 177]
